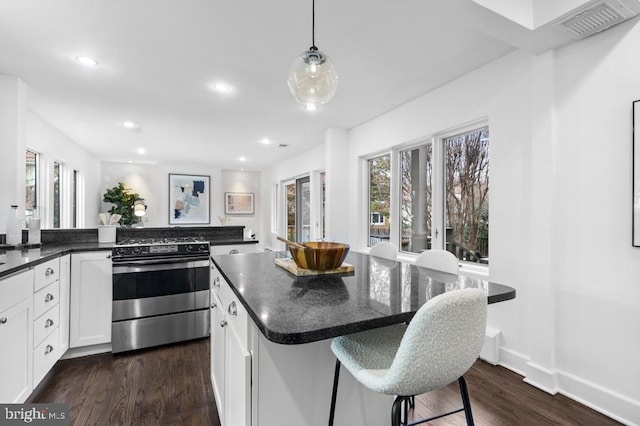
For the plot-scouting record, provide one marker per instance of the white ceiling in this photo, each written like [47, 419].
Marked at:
[158, 57]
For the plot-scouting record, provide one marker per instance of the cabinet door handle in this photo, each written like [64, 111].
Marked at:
[216, 282]
[48, 297]
[48, 349]
[213, 306]
[232, 309]
[108, 256]
[223, 323]
[48, 324]
[3, 320]
[49, 271]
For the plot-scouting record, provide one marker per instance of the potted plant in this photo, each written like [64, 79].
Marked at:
[123, 200]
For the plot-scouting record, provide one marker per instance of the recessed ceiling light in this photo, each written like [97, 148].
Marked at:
[242, 159]
[141, 151]
[130, 124]
[87, 61]
[265, 141]
[221, 87]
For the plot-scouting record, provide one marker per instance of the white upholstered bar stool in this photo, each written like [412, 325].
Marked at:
[439, 260]
[384, 250]
[438, 346]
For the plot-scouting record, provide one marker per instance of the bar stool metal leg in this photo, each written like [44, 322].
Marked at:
[465, 400]
[334, 394]
[396, 411]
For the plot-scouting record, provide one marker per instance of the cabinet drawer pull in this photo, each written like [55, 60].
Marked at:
[48, 349]
[232, 309]
[216, 282]
[49, 271]
[3, 320]
[48, 297]
[48, 324]
[223, 323]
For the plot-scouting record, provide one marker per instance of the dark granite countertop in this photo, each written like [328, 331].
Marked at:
[16, 259]
[293, 310]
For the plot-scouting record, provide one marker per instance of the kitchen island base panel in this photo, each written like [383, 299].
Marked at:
[292, 385]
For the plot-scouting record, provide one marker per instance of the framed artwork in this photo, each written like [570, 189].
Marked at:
[636, 172]
[189, 199]
[238, 203]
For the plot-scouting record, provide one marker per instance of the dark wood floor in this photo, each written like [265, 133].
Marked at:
[171, 386]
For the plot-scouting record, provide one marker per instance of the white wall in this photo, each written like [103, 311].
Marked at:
[560, 218]
[241, 181]
[151, 182]
[53, 146]
[301, 165]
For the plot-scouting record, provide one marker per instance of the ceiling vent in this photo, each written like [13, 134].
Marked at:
[594, 18]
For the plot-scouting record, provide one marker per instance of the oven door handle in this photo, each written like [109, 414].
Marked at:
[148, 266]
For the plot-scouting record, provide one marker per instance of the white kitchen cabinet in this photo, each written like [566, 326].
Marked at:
[91, 299]
[65, 288]
[230, 355]
[16, 337]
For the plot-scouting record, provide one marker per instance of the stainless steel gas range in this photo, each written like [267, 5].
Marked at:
[160, 292]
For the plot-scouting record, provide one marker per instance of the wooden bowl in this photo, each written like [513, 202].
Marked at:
[319, 255]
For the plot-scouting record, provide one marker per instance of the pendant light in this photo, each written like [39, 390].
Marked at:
[313, 79]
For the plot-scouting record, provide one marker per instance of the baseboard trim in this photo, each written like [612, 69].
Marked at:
[612, 404]
[86, 351]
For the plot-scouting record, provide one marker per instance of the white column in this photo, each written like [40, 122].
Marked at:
[542, 246]
[336, 166]
[13, 111]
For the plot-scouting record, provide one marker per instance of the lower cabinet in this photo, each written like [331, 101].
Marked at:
[91, 299]
[16, 333]
[230, 355]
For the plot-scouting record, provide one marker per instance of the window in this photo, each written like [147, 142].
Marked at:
[379, 198]
[416, 202]
[298, 209]
[443, 185]
[57, 177]
[467, 194]
[31, 199]
[323, 223]
[74, 199]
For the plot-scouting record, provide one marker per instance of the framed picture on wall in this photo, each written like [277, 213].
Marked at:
[238, 203]
[189, 197]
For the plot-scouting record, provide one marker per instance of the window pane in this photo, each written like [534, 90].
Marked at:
[379, 198]
[56, 195]
[291, 211]
[74, 200]
[416, 198]
[31, 200]
[467, 195]
[303, 219]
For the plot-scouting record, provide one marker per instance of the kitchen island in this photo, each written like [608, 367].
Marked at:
[271, 334]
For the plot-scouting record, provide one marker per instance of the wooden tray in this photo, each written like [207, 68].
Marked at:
[290, 266]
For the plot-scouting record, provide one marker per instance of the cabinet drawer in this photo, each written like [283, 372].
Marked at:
[15, 288]
[46, 299]
[216, 282]
[45, 356]
[46, 273]
[236, 314]
[44, 325]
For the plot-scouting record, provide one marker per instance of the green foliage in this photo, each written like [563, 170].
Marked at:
[122, 200]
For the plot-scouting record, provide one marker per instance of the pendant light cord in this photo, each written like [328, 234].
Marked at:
[313, 25]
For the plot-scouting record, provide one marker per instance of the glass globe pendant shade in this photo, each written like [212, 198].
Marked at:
[313, 79]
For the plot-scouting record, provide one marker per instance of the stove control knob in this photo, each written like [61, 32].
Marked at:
[189, 247]
[121, 251]
[202, 247]
[136, 250]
